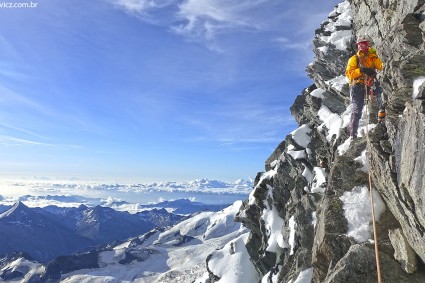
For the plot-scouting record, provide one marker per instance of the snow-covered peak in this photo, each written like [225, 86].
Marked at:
[174, 255]
[206, 225]
[17, 208]
[21, 265]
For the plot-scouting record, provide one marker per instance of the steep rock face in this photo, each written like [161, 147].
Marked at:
[397, 28]
[399, 168]
[300, 216]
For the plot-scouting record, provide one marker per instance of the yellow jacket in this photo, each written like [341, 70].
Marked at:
[352, 72]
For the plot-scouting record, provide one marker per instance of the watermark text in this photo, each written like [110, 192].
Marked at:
[18, 5]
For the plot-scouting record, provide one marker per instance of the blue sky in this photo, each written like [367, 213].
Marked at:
[152, 90]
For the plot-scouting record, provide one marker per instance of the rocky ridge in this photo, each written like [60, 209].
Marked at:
[299, 211]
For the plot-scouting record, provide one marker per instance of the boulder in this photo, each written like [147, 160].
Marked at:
[359, 265]
[404, 254]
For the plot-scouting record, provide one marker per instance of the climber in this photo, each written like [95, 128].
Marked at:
[377, 86]
[361, 70]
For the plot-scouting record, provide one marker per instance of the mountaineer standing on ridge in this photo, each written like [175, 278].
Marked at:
[361, 72]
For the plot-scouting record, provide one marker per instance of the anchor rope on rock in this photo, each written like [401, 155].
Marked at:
[375, 234]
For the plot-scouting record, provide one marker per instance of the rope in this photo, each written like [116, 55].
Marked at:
[375, 234]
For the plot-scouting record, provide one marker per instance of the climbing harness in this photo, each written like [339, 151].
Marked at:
[369, 82]
[375, 235]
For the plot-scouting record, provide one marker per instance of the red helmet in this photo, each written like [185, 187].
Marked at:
[363, 44]
[363, 39]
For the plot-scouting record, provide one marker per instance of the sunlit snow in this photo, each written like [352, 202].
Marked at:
[318, 93]
[267, 175]
[24, 266]
[308, 175]
[319, 180]
[177, 254]
[273, 224]
[358, 212]
[232, 263]
[337, 82]
[331, 121]
[340, 38]
[416, 84]
[302, 135]
[297, 154]
[342, 148]
[314, 217]
[305, 276]
[362, 159]
[292, 225]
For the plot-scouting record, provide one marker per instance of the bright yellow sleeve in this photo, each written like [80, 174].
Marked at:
[378, 63]
[352, 71]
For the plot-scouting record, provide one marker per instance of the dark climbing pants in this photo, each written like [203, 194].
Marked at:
[357, 94]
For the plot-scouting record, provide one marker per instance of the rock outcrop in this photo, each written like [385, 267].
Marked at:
[309, 213]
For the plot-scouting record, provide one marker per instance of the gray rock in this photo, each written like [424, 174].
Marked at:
[404, 254]
[330, 241]
[359, 265]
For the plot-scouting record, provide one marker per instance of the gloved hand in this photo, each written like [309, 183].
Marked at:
[368, 71]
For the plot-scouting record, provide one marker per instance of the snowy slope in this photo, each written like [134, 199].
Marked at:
[231, 263]
[175, 255]
[37, 231]
[21, 265]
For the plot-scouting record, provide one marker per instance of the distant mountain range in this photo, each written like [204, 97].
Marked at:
[185, 206]
[176, 254]
[48, 232]
[38, 234]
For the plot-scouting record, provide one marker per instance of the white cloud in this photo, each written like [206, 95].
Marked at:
[286, 43]
[31, 109]
[15, 141]
[206, 18]
[8, 125]
[12, 98]
[142, 6]
[203, 20]
[290, 24]
[12, 141]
